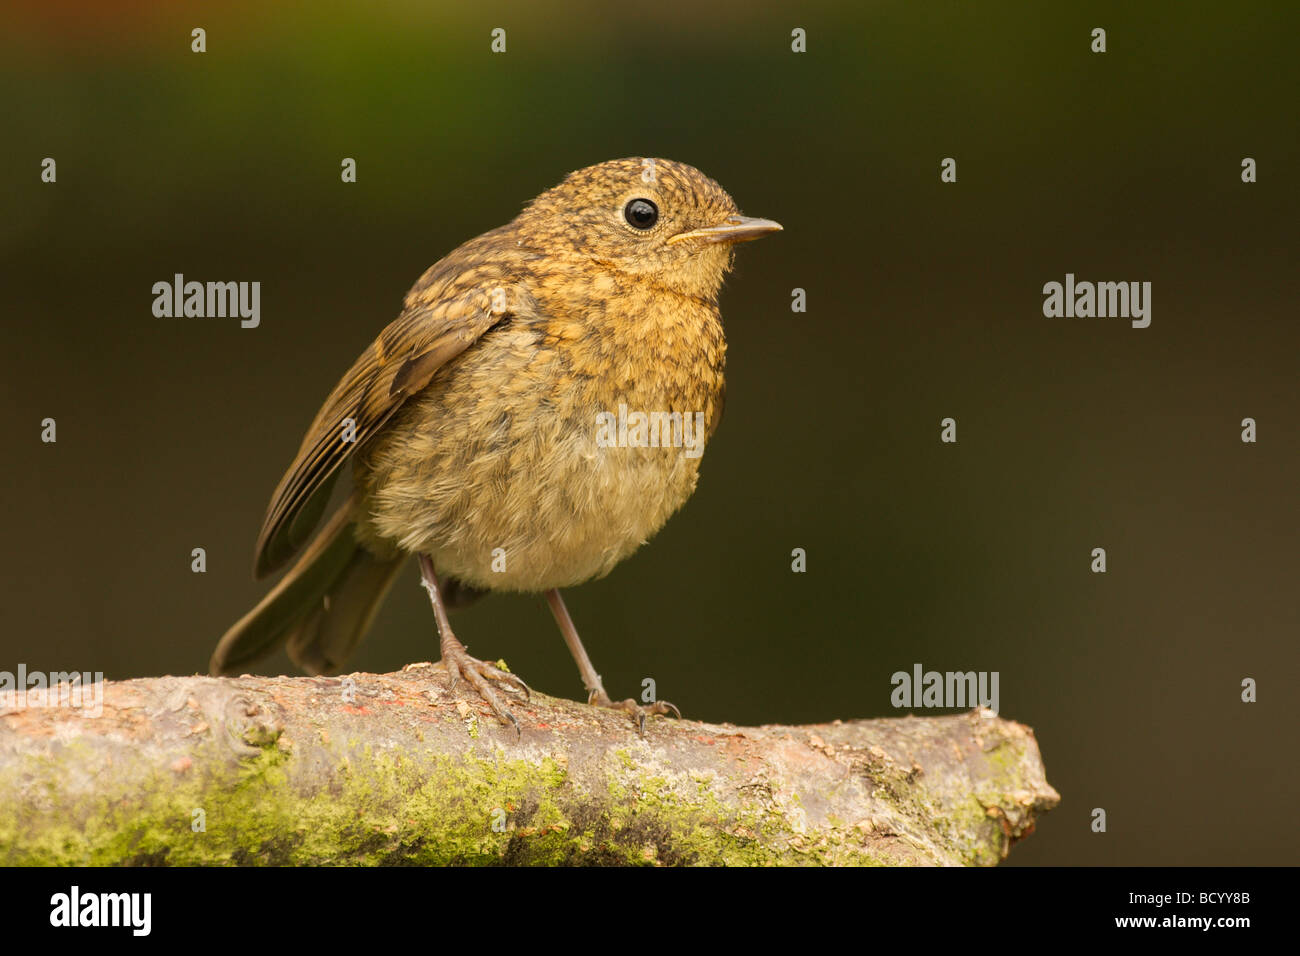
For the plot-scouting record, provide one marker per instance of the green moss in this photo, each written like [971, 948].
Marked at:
[384, 808]
[655, 813]
[424, 808]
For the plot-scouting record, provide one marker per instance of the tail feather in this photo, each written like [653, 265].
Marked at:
[322, 606]
[324, 640]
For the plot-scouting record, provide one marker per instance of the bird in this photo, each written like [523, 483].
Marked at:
[497, 428]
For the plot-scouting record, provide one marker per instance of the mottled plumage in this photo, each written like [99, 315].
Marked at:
[472, 420]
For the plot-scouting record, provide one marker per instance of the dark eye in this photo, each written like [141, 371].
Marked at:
[641, 213]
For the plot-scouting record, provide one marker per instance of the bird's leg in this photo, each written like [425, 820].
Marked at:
[458, 663]
[596, 695]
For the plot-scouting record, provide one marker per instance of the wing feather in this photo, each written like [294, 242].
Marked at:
[447, 311]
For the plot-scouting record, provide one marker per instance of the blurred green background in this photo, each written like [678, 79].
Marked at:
[924, 301]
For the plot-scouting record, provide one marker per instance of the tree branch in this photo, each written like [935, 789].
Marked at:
[394, 768]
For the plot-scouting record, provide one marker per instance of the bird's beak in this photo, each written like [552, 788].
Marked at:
[734, 229]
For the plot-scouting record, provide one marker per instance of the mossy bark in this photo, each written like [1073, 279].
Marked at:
[396, 769]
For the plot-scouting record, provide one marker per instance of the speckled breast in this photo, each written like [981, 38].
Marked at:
[547, 452]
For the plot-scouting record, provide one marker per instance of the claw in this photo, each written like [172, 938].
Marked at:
[505, 677]
[477, 674]
[598, 698]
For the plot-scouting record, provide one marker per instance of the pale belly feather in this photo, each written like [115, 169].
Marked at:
[508, 488]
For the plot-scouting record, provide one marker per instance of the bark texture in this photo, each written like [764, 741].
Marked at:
[398, 769]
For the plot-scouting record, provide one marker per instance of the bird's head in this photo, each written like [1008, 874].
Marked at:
[653, 219]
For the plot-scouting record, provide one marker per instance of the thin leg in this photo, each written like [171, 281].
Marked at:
[596, 695]
[458, 663]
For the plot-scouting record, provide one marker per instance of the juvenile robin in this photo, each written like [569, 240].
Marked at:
[497, 429]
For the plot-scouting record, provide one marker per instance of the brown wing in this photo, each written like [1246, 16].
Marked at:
[451, 306]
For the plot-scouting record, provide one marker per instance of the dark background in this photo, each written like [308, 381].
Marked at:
[924, 301]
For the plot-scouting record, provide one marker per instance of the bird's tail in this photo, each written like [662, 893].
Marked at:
[322, 607]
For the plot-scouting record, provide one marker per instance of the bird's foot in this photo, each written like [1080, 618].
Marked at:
[639, 712]
[478, 674]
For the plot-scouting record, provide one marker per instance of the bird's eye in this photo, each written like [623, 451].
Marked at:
[641, 213]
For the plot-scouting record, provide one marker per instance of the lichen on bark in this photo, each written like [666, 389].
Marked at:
[396, 769]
